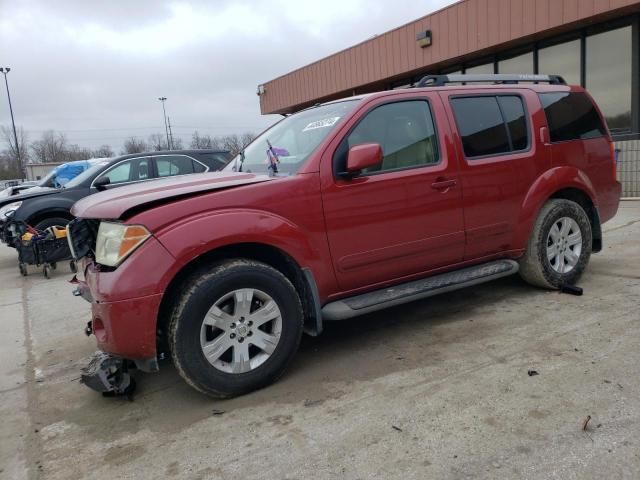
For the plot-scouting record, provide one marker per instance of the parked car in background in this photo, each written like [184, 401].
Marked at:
[51, 206]
[12, 189]
[340, 210]
[56, 178]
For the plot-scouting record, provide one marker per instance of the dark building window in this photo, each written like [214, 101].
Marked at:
[608, 67]
[479, 69]
[519, 64]
[562, 59]
[571, 116]
[486, 126]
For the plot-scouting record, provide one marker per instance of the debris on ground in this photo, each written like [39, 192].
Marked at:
[217, 412]
[571, 289]
[396, 428]
[586, 423]
[532, 372]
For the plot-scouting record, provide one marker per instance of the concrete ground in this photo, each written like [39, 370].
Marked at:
[435, 389]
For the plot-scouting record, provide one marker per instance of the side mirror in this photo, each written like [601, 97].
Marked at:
[363, 156]
[101, 183]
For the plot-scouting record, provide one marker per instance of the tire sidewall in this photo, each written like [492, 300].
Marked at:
[559, 210]
[190, 314]
[51, 222]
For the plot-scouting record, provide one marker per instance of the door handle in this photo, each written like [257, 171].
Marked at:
[444, 183]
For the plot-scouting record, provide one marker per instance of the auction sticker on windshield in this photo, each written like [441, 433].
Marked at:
[325, 122]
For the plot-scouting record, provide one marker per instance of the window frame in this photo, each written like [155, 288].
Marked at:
[427, 100]
[155, 165]
[504, 122]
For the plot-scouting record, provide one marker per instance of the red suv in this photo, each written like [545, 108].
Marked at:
[340, 210]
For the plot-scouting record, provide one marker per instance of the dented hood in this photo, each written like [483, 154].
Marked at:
[115, 202]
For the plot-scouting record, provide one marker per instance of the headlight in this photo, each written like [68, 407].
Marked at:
[117, 241]
[9, 209]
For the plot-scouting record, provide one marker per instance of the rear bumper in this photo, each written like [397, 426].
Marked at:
[609, 201]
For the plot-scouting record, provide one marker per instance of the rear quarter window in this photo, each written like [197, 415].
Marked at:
[571, 116]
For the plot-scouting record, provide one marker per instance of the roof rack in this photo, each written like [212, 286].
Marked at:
[503, 78]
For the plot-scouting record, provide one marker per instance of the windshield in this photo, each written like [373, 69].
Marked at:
[88, 173]
[286, 146]
[47, 181]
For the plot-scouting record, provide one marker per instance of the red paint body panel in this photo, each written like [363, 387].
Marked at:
[354, 235]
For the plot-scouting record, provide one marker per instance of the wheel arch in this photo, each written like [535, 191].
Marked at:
[301, 278]
[41, 215]
[580, 197]
[562, 182]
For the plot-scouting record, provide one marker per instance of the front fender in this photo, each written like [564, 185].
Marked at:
[55, 204]
[543, 188]
[198, 235]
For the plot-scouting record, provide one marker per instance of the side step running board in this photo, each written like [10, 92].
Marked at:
[417, 289]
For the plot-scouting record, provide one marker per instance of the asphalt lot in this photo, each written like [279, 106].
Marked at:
[435, 389]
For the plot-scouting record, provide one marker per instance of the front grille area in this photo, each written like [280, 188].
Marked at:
[82, 236]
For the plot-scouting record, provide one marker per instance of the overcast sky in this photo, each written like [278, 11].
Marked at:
[94, 70]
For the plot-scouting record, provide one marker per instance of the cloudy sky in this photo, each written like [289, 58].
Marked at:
[94, 70]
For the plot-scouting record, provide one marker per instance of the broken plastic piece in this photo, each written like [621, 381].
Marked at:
[571, 289]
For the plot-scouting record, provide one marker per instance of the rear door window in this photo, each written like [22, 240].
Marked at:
[171, 165]
[571, 116]
[491, 125]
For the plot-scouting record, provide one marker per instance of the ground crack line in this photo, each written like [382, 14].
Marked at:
[33, 442]
[628, 224]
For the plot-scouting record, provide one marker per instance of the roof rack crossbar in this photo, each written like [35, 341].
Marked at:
[504, 78]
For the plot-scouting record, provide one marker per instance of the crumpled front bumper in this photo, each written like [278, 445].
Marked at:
[125, 302]
[108, 375]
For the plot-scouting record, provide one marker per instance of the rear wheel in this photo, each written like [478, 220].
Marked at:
[559, 247]
[236, 328]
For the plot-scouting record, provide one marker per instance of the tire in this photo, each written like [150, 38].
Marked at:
[538, 266]
[233, 336]
[51, 222]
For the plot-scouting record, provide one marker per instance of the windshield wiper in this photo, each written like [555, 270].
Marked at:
[273, 163]
[235, 167]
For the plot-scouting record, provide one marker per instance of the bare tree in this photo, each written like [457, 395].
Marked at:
[134, 145]
[201, 141]
[157, 142]
[11, 152]
[247, 138]
[52, 147]
[234, 142]
[75, 152]
[103, 151]
[176, 143]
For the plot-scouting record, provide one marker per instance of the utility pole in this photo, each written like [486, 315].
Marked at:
[166, 128]
[4, 71]
[170, 132]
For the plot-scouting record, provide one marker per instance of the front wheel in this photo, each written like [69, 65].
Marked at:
[236, 328]
[559, 247]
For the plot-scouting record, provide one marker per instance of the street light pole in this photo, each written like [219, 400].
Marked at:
[4, 71]
[166, 129]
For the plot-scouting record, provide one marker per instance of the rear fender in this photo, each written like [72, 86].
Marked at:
[543, 189]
